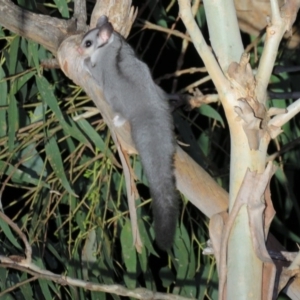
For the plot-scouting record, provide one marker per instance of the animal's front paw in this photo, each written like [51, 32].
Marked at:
[119, 120]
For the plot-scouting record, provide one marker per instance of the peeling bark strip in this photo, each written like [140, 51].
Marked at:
[250, 195]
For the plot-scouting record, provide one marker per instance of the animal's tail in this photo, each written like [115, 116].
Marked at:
[154, 139]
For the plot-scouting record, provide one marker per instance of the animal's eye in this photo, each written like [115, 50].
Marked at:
[88, 44]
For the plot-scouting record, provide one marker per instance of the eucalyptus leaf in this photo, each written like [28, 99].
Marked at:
[62, 6]
[19, 176]
[33, 54]
[209, 111]
[20, 81]
[13, 55]
[46, 91]
[8, 233]
[13, 122]
[3, 104]
[57, 165]
[129, 254]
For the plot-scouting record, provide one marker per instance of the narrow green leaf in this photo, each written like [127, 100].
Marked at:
[7, 297]
[33, 54]
[106, 251]
[53, 287]
[13, 122]
[202, 278]
[26, 290]
[70, 145]
[209, 111]
[38, 113]
[146, 237]
[161, 17]
[4, 274]
[19, 176]
[74, 131]
[128, 250]
[143, 259]
[45, 289]
[98, 296]
[30, 5]
[3, 103]
[57, 165]
[213, 283]
[181, 253]
[32, 160]
[13, 55]
[106, 273]
[62, 6]
[46, 91]
[185, 237]
[8, 233]
[94, 137]
[149, 280]
[18, 83]
[44, 284]
[52, 253]
[80, 218]
[201, 17]
[129, 255]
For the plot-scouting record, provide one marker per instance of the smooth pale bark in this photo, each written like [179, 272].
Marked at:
[227, 46]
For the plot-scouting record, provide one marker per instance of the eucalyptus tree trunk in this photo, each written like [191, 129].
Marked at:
[241, 254]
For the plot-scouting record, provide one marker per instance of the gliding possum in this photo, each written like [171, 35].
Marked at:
[134, 97]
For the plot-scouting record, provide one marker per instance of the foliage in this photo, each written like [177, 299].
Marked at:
[62, 182]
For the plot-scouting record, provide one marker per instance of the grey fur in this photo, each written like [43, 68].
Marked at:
[129, 89]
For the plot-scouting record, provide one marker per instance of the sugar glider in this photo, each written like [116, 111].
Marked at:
[134, 97]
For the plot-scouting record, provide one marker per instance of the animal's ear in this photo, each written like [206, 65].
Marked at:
[101, 21]
[105, 33]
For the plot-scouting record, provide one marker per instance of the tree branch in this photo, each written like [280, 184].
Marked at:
[203, 50]
[45, 30]
[282, 119]
[138, 293]
[225, 36]
[80, 14]
[275, 31]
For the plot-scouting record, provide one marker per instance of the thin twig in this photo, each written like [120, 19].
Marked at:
[284, 149]
[195, 84]
[149, 25]
[180, 73]
[131, 195]
[14, 226]
[138, 293]
[282, 119]
[274, 36]
[17, 285]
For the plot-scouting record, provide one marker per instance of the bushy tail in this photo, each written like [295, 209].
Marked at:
[154, 140]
